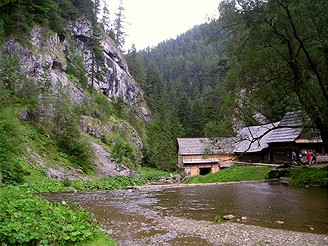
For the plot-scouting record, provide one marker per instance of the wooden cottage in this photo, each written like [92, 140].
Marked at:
[290, 135]
[274, 143]
[251, 143]
[203, 156]
[269, 143]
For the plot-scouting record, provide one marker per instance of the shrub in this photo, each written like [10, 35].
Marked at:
[122, 150]
[30, 220]
[309, 176]
[113, 183]
[152, 174]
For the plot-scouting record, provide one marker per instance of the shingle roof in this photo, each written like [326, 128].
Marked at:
[200, 146]
[288, 130]
[248, 141]
[188, 146]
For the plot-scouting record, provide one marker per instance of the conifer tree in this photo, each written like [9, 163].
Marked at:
[119, 24]
[105, 20]
[136, 66]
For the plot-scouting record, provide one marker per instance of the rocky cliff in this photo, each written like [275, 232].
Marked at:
[46, 54]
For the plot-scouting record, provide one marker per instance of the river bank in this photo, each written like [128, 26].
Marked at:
[175, 231]
[237, 234]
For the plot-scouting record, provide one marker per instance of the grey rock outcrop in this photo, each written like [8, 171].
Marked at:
[117, 78]
[47, 56]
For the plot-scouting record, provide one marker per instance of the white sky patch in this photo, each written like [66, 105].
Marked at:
[153, 21]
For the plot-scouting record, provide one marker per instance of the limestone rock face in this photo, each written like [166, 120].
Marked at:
[117, 78]
[47, 53]
[45, 59]
[48, 56]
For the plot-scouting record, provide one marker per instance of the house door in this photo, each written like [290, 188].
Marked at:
[271, 156]
[204, 170]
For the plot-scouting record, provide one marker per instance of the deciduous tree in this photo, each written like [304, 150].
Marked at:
[278, 55]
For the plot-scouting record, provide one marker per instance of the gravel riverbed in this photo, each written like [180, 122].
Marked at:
[239, 234]
[176, 231]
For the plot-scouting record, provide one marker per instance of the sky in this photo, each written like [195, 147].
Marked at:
[150, 22]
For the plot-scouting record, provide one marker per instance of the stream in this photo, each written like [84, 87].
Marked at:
[137, 214]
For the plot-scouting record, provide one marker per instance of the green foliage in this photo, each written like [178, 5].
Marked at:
[2, 32]
[102, 107]
[11, 147]
[234, 173]
[218, 220]
[190, 78]
[75, 63]
[37, 183]
[67, 134]
[119, 25]
[161, 149]
[309, 176]
[100, 240]
[136, 66]
[4, 2]
[30, 220]
[276, 62]
[152, 174]
[120, 107]
[19, 17]
[114, 183]
[122, 151]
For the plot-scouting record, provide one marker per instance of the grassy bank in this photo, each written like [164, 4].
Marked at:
[304, 176]
[27, 219]
[235, 173]
[308, 176]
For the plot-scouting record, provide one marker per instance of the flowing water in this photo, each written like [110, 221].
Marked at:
[135, 214]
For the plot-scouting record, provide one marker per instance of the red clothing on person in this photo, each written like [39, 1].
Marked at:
[308, 156]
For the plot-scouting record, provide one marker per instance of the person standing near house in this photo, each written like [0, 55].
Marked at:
[294, 162]
[314, 158]
[308, 156]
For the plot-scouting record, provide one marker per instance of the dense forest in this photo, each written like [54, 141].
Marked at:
[257, 61]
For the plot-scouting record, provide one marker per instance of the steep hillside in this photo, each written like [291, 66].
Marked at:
[70, 105]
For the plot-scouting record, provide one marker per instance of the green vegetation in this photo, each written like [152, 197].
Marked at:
[234, 173]
[185, 86]
[36, 183]
[218, 220]
[26, 219]
[30, 220]
[152, 174]
[278, 62]
[309, 176]
[114, 183]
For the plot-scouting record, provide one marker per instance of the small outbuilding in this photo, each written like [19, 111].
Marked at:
[202, 155]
